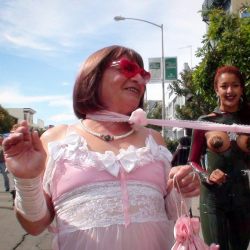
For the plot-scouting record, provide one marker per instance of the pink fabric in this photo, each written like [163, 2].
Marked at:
[138, 117]
[65, 173]
[125, 198]
[99, 209]
[186, 233]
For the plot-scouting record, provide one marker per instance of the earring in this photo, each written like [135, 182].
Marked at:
[218, 99]
[241, 99]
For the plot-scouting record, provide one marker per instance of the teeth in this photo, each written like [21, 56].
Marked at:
[133, 89]
[230, 97]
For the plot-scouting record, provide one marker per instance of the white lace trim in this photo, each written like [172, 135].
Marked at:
[101, 205]
[75, 150]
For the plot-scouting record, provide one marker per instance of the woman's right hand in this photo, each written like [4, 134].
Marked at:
[217, 177]
[25, 156]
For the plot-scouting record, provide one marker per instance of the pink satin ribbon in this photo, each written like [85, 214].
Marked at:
[139, 118]
[186, 233]
[125, 198]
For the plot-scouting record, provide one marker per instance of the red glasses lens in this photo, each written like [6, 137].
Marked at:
[130, 69]
[146, 75]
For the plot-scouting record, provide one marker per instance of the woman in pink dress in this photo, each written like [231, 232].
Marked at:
[99, 183]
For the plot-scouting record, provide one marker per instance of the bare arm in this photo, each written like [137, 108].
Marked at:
[26, 158]
[217, 176]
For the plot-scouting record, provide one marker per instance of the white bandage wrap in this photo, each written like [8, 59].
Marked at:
[30, 200]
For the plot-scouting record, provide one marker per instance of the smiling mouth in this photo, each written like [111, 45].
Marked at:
[230, 98]
[134, 90]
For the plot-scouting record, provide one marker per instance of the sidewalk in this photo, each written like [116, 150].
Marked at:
[12, 236]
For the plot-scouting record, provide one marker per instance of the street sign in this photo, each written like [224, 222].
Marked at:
[155, 69]
[170, 68]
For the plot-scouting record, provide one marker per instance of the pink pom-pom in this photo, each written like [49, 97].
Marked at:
[138, 117]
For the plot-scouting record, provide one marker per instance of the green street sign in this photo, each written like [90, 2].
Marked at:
[170, 68]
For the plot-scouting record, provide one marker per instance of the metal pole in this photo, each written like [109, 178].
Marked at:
[120, 18]
[191, 55]
[163, 80]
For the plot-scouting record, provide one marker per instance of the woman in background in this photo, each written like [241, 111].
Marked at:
[225, 160]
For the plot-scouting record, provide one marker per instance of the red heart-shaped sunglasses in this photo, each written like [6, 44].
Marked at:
[130, 69]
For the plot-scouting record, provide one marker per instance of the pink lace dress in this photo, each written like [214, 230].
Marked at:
[107, 201]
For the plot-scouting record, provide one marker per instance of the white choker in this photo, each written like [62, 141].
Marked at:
[107, 137]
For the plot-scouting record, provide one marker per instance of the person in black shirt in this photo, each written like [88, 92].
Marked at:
[180, 156]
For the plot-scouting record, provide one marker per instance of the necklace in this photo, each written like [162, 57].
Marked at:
[107, 137]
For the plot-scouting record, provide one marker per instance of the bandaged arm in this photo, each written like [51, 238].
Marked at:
[32, 205]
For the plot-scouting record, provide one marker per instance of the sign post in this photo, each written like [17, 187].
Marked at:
[170, 68]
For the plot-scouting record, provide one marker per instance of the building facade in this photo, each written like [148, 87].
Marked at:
[26, 114]
[172, 101]
[232, 6]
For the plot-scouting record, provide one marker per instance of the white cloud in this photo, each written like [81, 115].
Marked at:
[10, 95]
[60, 101]
[59, 22]
[26, 42]
[61, 26]
[62, 118]
[61, 33]
[62, 23]
[66, 83]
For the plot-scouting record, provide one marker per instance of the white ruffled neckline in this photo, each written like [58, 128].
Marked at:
[74, 148]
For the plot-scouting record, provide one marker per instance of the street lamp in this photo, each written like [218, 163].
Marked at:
[121, 18]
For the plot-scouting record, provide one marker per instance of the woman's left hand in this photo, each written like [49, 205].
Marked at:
[184, 179]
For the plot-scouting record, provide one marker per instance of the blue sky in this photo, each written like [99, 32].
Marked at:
[43, 43]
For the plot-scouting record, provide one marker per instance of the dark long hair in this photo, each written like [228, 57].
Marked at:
[244, 106]
[86, 90]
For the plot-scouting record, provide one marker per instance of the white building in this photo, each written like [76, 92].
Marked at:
[25, 114]
[172, 100]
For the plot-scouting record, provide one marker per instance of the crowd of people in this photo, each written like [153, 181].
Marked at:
[105, 184]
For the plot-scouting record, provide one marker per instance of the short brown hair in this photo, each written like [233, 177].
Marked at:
[86, 90]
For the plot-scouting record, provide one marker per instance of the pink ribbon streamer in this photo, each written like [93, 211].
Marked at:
[139, 118]
[186, 233]
[186, 229]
